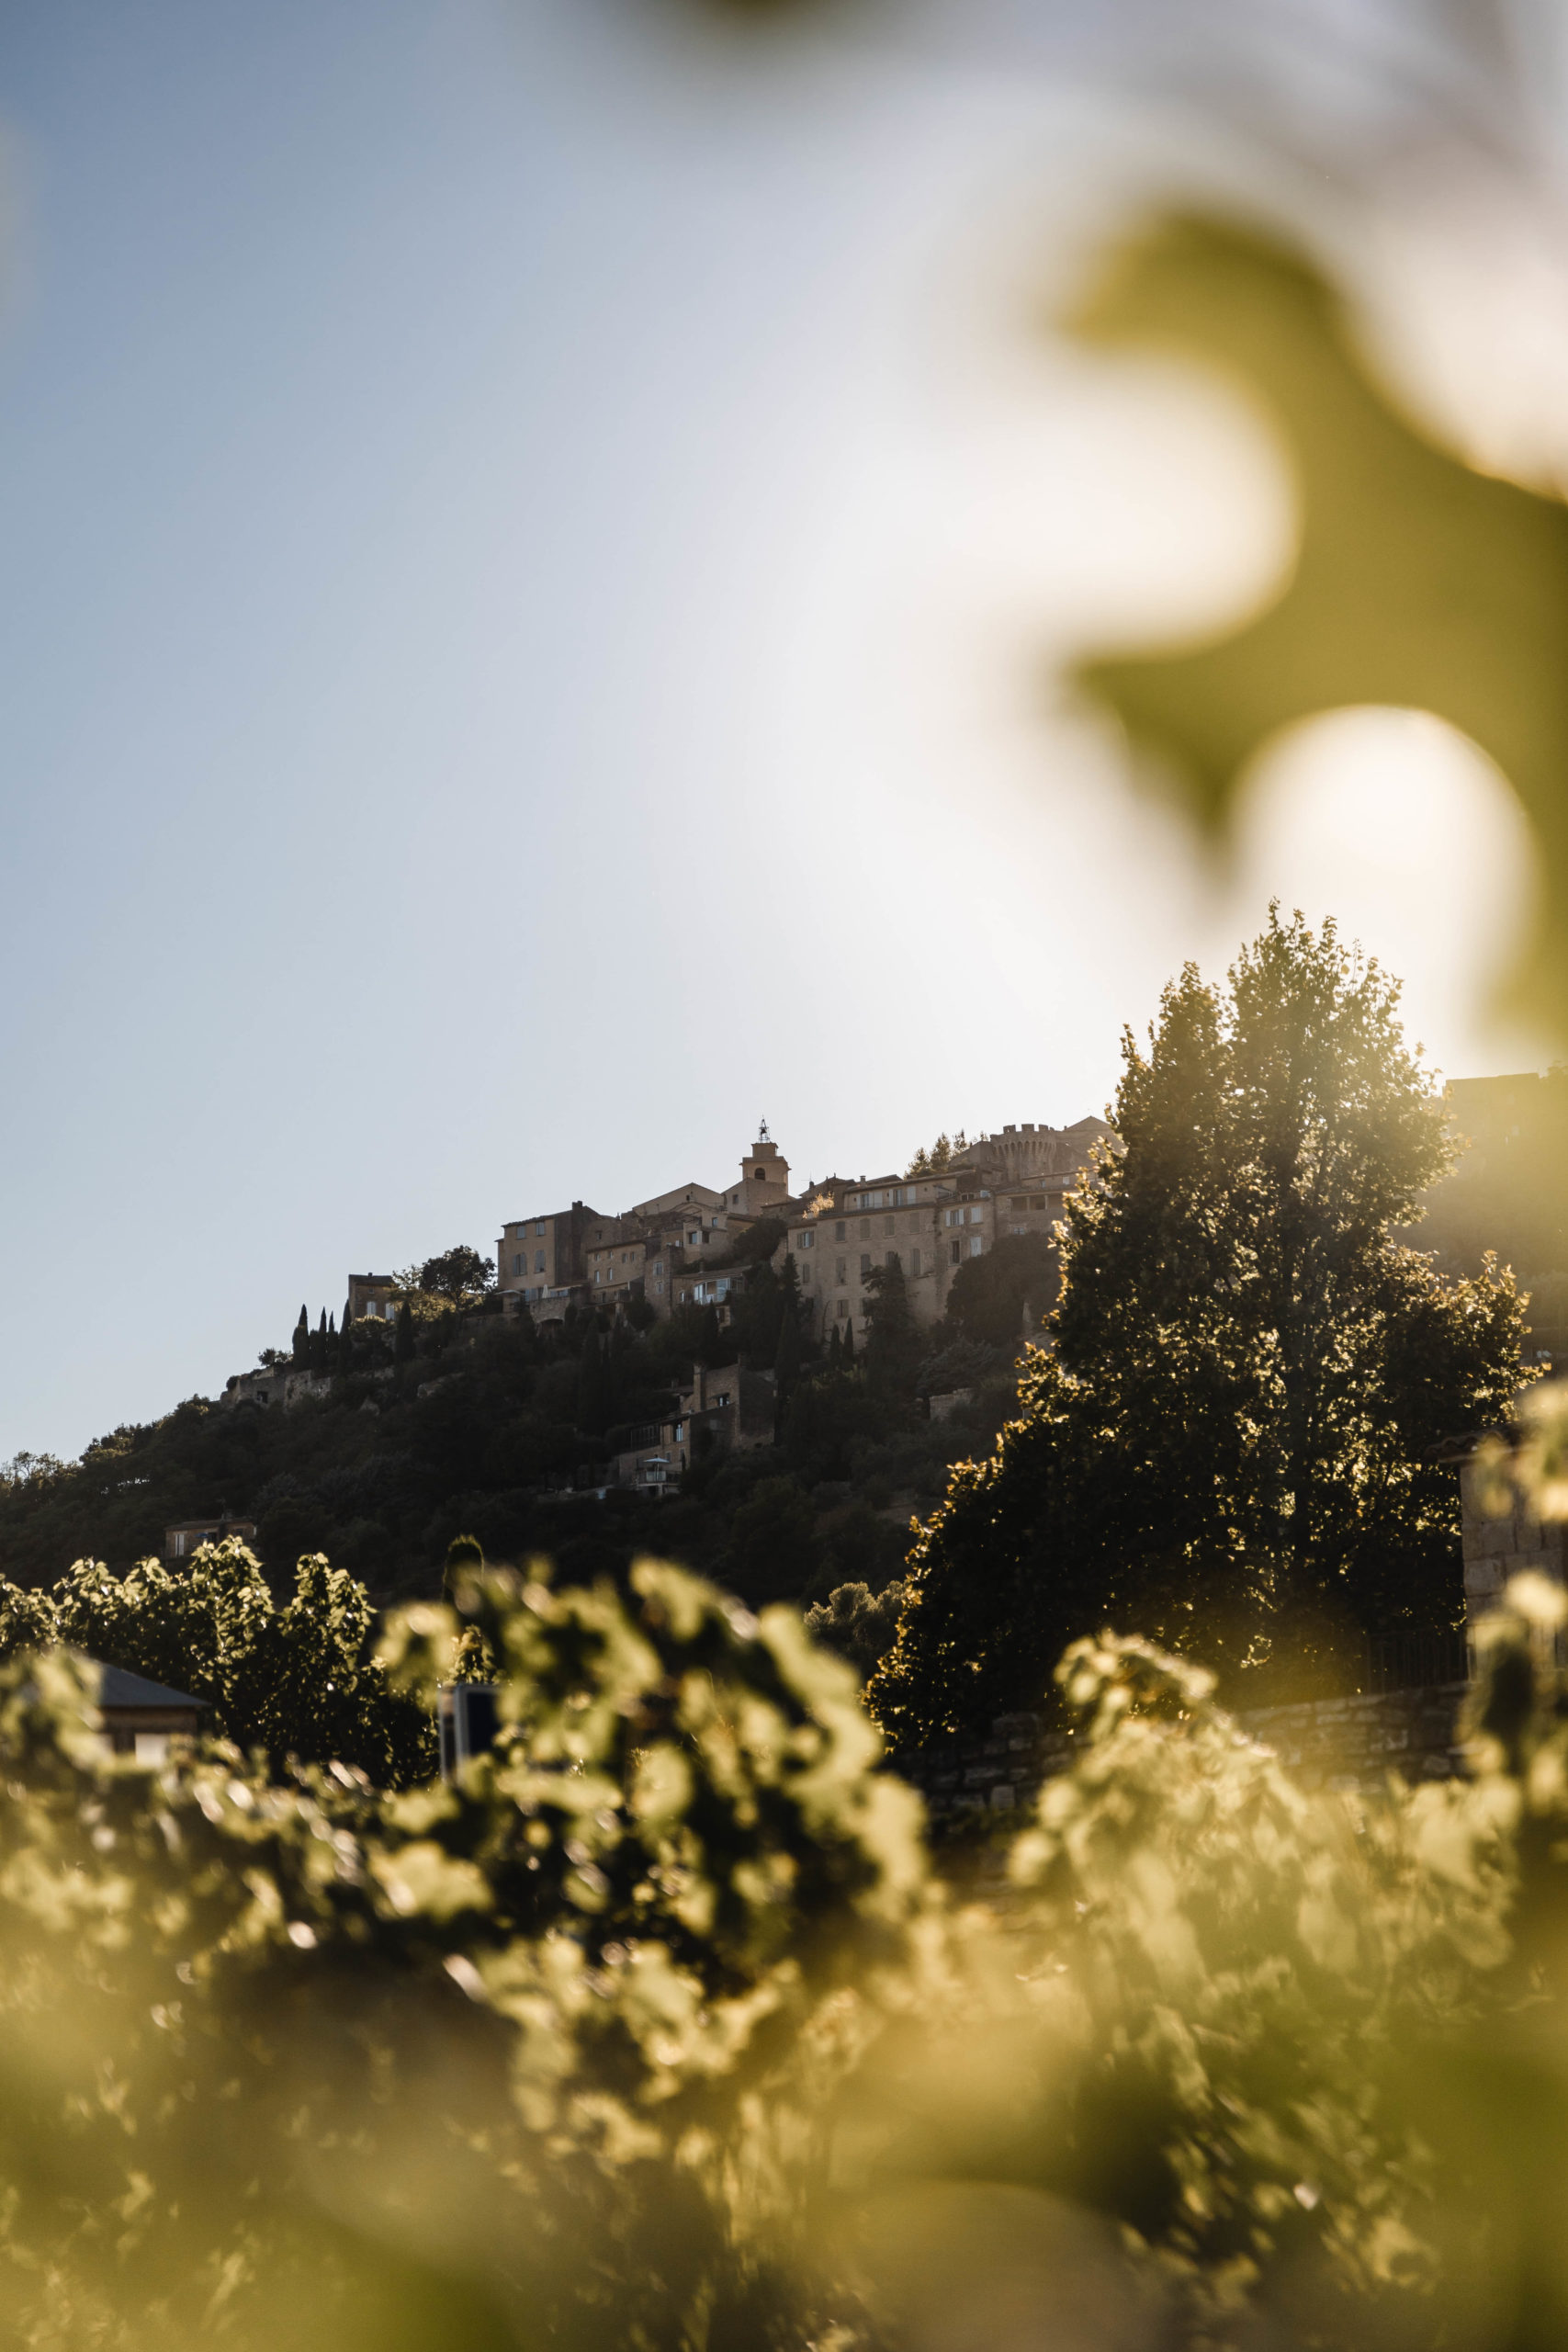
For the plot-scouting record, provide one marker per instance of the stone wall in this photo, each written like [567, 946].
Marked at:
[1497, 1549]
[1347, 1743]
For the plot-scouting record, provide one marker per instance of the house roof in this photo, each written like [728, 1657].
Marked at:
[119, 1688]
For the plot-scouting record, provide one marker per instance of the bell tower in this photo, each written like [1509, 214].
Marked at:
[764, 1178]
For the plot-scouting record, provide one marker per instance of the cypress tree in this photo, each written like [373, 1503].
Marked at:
[592, 1385]
[301, 1341]
[786, 1360]
[893, 1347]
[403, 1337]
[835, 1348]
[848, 1344]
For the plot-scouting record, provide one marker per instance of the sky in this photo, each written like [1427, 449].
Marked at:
[538, 558]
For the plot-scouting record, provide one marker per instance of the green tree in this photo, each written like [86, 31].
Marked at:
[786, 1355]
[937, 1158]
[460, 1275]
[592, 1385]
[291, 1682]
[774, 1548]
[756, 1311]
[301, 1341]
[862, 1625]
[893, 1343]
[992, 1298]
[714, 1347]
[1231, 1442]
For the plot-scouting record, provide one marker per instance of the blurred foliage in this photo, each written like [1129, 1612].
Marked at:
[1418, 581]
[1234, 1436]
[658, 2028]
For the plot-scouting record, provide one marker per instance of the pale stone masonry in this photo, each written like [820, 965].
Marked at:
[930, 1224]
[1353, 1743]
[660, 1250]
[1496, 1549]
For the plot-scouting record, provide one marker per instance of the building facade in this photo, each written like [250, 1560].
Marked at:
[584, 1257]
[930, 1224]
[539, 1259]
[376, 1295]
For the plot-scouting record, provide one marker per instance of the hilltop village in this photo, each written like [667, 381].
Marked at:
[697, 1247]
[768, 1379]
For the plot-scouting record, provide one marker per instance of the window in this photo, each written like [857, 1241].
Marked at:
[891, 1259]
[843, 1273]
[538, 1261]
[840, 1231]
[659, 1268]
[864, 1263]
[1020, 1203]
[887, 1226]
[953, 1247]
[723, 1396]
[1040, 1202]
[659, 1288]
[694, 1237]
[841, 1310]
[915, 1264]
[518, 1257]
[976, 1245]
[540, 1229]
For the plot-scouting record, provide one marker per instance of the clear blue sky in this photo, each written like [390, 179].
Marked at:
[500, 688]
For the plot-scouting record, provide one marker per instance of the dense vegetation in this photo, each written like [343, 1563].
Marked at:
[1235, 1438]
[458, 1420]
[661, 2030]
[298, 1682]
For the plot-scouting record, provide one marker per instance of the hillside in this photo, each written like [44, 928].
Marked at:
[473, 1422]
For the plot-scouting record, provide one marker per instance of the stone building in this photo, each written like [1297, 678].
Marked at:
[187, 1536]
[731, 1410]
[670, 1251]
[924, 1223]
[584, 1256]
[541, 1260]
[1034, 1166]
[376, 1295]
[1014, 1182]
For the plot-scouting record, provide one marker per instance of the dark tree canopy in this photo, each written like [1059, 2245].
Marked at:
[893, 1343]
[994, 1299]
[1229, 1445]
[458, 1274]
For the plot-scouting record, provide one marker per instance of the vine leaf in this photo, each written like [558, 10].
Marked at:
[1418, 581]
